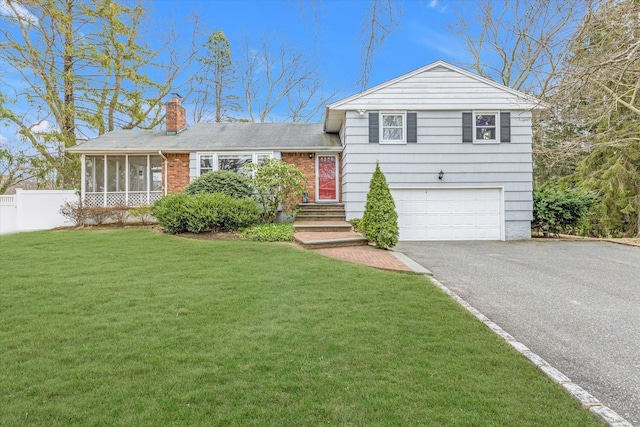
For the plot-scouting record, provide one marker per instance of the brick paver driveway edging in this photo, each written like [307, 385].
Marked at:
[574, 303]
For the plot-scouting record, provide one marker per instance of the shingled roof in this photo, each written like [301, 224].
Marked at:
[237, 136]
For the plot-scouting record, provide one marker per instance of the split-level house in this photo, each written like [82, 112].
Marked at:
[455, 149]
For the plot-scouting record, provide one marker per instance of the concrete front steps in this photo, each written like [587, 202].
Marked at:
[321, 212]
[320, 226]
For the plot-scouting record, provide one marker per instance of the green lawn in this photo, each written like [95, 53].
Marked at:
[133, 328]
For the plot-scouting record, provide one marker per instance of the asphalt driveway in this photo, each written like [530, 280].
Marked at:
[574, 303]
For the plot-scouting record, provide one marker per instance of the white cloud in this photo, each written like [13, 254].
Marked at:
[43, 126]
[436, 4]
[3, 140]
[16, 10]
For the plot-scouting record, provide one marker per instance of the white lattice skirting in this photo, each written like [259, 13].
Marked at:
[121, 198]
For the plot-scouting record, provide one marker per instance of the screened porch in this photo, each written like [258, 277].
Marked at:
[130, 180]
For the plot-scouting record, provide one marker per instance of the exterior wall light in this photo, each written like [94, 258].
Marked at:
[311, 155]
[441, 175]
[361, 112]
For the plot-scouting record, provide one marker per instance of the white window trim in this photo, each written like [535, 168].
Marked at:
[404, 127]
[486, 141]
[215, 154]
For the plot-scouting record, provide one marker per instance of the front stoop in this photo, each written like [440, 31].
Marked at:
[323, 226]
[328, 239]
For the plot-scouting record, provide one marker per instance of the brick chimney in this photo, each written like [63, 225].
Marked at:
[176, 117]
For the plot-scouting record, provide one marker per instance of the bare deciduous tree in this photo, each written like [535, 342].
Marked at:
[381, 20]
[15, 168]
[521, 44]
[271, 76]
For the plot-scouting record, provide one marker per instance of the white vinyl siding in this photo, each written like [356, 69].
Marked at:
[439, 88]
[440, 147]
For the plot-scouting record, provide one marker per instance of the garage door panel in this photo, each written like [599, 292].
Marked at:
[448, 214]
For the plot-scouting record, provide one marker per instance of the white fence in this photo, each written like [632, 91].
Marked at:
[30, 210]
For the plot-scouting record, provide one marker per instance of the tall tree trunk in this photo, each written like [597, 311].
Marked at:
[68, 76]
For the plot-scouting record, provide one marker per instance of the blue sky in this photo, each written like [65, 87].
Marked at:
[330, 34]
[327, 30]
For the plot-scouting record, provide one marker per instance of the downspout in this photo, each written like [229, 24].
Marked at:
[166, 172]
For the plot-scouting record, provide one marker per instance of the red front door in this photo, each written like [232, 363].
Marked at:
[327, 168]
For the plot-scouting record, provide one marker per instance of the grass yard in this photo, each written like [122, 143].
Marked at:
[136, 328]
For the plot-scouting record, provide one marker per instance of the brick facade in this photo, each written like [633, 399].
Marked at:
[308, 167]
[178, 171]
[176, 117]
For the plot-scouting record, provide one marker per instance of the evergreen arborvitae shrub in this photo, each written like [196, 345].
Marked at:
[230, 183]
[380, 220]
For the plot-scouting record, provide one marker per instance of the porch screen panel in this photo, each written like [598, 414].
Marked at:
[94, 174]
[116, 174]
[138, 174]
[156, 173]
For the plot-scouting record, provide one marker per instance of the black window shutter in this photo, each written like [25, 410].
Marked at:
[505, 127]
[412, 127]
[374, 127]
[467, 127]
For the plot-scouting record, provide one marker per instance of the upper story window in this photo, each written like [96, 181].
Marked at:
[392, 128]
[228, 161]
[486, 127]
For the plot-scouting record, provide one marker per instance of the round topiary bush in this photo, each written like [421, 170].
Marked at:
[226, 182]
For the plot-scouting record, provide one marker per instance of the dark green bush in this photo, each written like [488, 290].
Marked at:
[380, 220]
[559, 210]
[226, 182]
[170, 212]
[201, 213]
[275, 232]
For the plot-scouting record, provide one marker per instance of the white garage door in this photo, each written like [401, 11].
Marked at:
[448, 214]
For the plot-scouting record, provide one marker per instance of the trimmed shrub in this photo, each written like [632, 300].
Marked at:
[200, 213]
[170, 212]
[276, 232]
[380, 220]
[559, 210]
[226, 182]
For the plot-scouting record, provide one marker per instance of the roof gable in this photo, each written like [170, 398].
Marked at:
[437, 86]
[436, 78]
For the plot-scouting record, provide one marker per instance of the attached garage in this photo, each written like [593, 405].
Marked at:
[449, 214]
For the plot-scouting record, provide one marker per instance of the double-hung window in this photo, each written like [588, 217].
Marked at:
[486, 127]
[392, 128]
